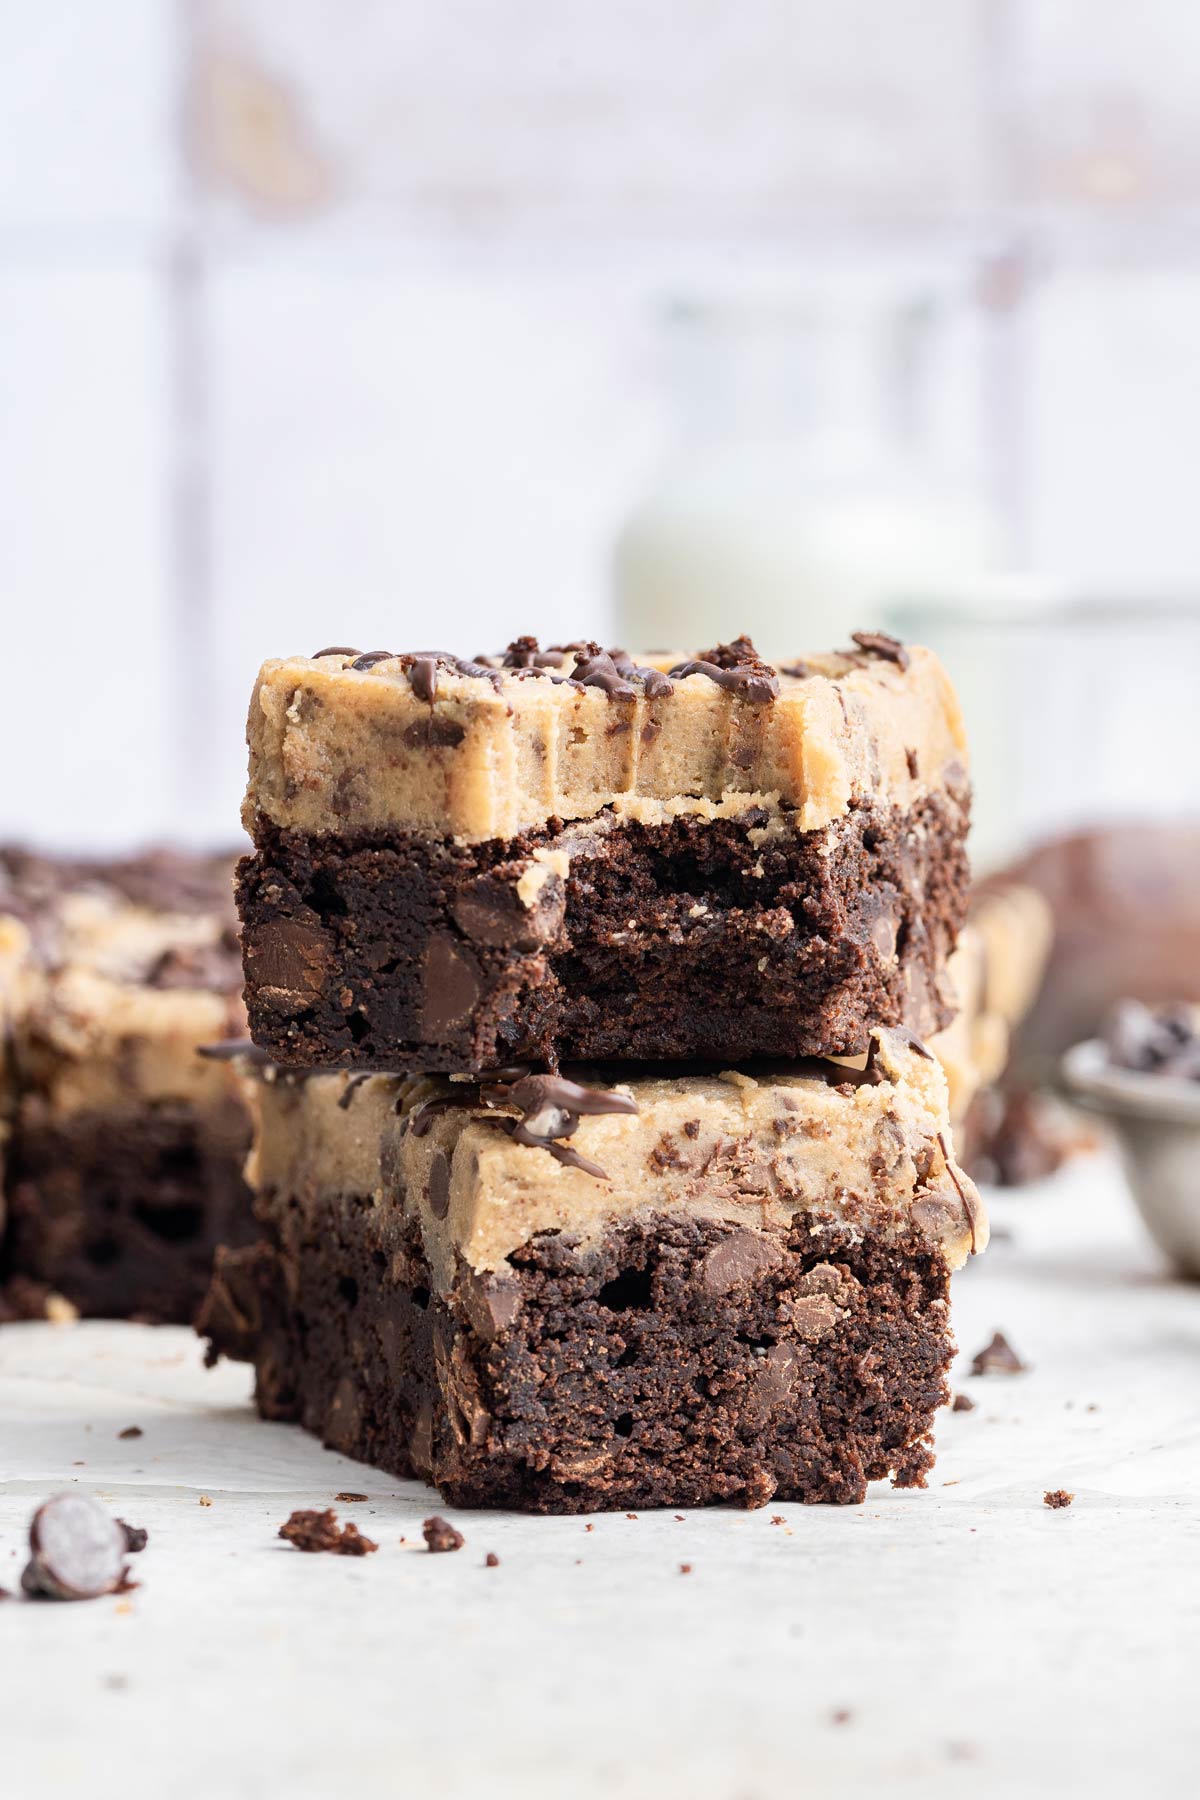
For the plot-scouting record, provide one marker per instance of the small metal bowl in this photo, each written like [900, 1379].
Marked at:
[1157, 1124]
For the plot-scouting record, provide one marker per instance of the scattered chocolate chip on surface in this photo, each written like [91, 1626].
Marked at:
[1055, 1498]
[130, 1431]
[491, 1560]
[312, 1531]
[962, 1403]
[440, 1535]
[998, 1358]
[78, 1551]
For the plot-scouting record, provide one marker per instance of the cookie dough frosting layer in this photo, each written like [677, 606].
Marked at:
[343, 743]
[866, 1150]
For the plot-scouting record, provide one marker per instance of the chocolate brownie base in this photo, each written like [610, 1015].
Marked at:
[120, 1211]
[676, 1362]
[715, 939]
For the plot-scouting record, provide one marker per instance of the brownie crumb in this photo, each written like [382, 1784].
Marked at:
[962, 1403]
[1056, 1497]
[778, 1519]
[130, 1431]
[998, 1358]
[136, 1537]
[491, 1560]
[685, 1568]
[312, 1531]
[349, 1499]
[440, 1534]
[205, 1500]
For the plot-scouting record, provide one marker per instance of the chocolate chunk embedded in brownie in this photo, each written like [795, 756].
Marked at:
[661, 1290]
[567, 854]
[125, 1150]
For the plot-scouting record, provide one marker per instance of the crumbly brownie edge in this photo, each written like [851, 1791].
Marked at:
[689, 939]
[121, 1211]
[682, 1362]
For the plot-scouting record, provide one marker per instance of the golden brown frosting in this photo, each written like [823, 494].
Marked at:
[478, 752]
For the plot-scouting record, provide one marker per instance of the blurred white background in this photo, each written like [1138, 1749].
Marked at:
[341, 321]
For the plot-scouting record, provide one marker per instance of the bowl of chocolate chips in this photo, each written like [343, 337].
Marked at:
[1144, 1075]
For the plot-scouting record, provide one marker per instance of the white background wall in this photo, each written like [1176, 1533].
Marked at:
[334, 320]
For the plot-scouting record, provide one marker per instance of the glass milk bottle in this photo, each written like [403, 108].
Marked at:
[797, 498]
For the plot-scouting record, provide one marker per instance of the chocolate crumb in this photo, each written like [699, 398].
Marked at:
[491, 1560]
[685, 1568]
[130, 1431]
[998, 1358]
[962, 1403]
[348, 1499]
[841, 1715]
[589, 1528]
[440, 1535]
[311, 1531]
[1056, 1498]
[778, 1519]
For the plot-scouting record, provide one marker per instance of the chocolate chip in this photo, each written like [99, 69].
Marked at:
[914, 1043]
[434, 733]
[370, 658]
[288, 963]
[490, 1302]
[423, 677]
[998, 1358]
[491, 912]
[742, 1256]
[439, 1185]
[799, 671]
[1056, 1498]
[314, 1531]
[491, 1560]
[910, 757]
[334, 650]
[78, 1550]
[130, 1431]
[962, 1403]
[440, 1535]
[353, 1083]
[451, 986]
[880, 643]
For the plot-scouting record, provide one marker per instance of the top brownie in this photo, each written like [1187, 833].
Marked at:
[568, 853]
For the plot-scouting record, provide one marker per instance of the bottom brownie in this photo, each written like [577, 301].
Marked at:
[120, 1210]
[668, 1291]
[655, 1370]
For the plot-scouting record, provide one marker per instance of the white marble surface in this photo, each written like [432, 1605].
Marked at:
[979, 1641]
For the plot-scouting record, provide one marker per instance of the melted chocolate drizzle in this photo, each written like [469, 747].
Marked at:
[550, 1107]
[737, 667]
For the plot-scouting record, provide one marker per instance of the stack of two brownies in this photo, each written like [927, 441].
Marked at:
[565, 1205]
